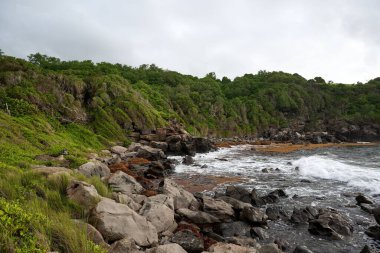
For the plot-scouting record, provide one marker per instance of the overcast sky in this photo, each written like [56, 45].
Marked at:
[336, 39]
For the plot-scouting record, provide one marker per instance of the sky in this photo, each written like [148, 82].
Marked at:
[338, 40]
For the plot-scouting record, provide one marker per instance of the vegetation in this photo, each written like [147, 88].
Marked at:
[49, 106]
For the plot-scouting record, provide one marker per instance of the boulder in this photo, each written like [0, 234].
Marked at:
[124, 183]
[236, 204]
[167, 248]
[83, 194]
[254, 215]
[160, 145]
[331, 224]
[126, 200]
[362, 199]
[243, 241]
[231, 229]
[117, 221]
[217, 208]
[260, 233]
[374, 232]
[275, 213]
[188, 160]
[197, 217]
[282, 244]
[228, 248]
[162, 199]
[134, 147]
[150, 137]
[256, 200]
[160, 215]
[376, 214]
[118, 150]
[152, 154]
[188, 241]
[124, 245]
[181, 197]
[269, 248]
[239, 193]
[367, 249]
[94, 168]
[93, 234]
[304, 215]
[302, 249]
[203, 145]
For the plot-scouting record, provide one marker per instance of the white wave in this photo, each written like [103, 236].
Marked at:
[327, 168]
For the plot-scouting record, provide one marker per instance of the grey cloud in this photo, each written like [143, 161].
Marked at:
[336, 39]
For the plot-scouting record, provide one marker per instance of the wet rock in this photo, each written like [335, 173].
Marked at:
[306, 181]
[256, 200]
[117, 221]
[217, 208]
[304, 215]
[376, 214]
[152, 154]
[259, 233]
[374, 232]
[236, 204]
[118, 150]
[228, 248]
[239, 193]
[331, 224]
[302, 249]
[167, 248]
[124, 183]
[124, 245]
[282, 244]
[160, 145]
[160, 215]
[269, 248]
[188, 160]
[265, 170]
[94, 168]
[243, 241]
[83, 194]
[188, 240]
[362, 199]
[275, 213]
[367, 249]
[182, 198]
[126, 200]
[254, 215]
[236, 228]
[198, 217]
[367, 208]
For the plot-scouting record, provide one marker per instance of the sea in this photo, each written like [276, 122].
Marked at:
[323, 178]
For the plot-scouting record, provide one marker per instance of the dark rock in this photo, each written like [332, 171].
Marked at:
[305, 181]
[367, 249]
[217, 208]
[303, 215]
[331, 224]
[376, 214]
[203, 145]
[275, 213]
[239, 193]
[361, 199]
[260, 233]
[152, 154]
[279, 192]
[265, 170]
[254, 215]
[237, 228]
[188, 160]
[255, 199]
[302, 249]
[282, 244]
[160, 145]
[236, 204]
[367, 208]
[374, 232]
[204, 166]
[188, 240]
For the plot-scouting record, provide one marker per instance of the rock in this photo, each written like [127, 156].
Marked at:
[118, 150]
[152, 154]
[331, 224]
[150, 137]
[93, 234]
[361, 199]
[188, 160]
[217, 208]
[197, 217]
[367, 249]
[302, 249]
[259, 233]
[124, 183]
[48, 171]
[167, 248]
[162, 199]
[306, 181]
[160, 145]
[229, 248]
[304, 215]
[94, 168]
[256, 200]
[188, 241]
[117, 221]
[182, 198]
[126, 200]
[139, 199]
[134, 147]
[275, 213]
[254, 215]
[236, 228]
[243, 241]
[269, 248]
[239, 193]
[236, 204]
[376, 214]
[369, 208]
[282, 244]
[160, 215]
[265, 170]
[374, 232]
[83, 194]
[124, 245]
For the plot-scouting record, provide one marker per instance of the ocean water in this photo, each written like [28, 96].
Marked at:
[329, 178]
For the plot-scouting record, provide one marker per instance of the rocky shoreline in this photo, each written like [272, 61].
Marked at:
[149, 212]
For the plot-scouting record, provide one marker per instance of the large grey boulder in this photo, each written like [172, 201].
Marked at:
[182, 198]
[197, 217]
[83, 194]
[119, 150]
[94, 168]
[162, 199]
[124, 245]
[254, 215]
[218, 208]
[117, 221]
[188, 240]
[239, 193]
[160, 215]
[167, 248]
[93, 234]
[236, 204]
[152, 154]
[124, 183]
[126, 200]
[236, 228]
[221, 247]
